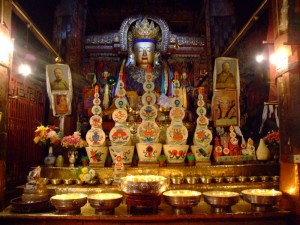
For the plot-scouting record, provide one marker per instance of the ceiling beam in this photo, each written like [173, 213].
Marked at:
[20, 12]
[246, 27]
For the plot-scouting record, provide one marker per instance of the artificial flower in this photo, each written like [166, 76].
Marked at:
[73, 141]
[46, 134]
[272, 139]
[85, 173]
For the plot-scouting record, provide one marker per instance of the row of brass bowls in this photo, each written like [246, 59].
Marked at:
[182, 201]
[70, 204]
[195, 179]
[146, 185]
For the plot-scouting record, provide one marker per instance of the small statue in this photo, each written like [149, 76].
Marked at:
[251, 148]
[34, 174]
[35, 189]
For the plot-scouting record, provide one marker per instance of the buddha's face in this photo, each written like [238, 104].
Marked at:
[144, 53]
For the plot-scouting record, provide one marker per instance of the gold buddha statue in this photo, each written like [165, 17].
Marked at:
[144, 40]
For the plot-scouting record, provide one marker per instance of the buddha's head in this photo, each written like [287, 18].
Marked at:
[144, 51]
[143, 40]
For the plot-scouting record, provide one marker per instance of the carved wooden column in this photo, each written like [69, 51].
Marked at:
[287, 71]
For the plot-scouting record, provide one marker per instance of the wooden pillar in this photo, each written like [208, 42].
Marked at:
[287, 71]
[5, 66]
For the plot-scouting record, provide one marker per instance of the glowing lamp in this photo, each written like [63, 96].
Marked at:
[24, 69]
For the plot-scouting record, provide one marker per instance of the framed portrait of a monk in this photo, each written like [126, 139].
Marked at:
[226, 74]
[59, 88]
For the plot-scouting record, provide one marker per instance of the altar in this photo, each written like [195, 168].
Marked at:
[202, 213]
[241, 213]
[151, 111]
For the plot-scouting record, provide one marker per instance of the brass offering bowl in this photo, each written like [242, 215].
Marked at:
[177, 180]
[275, 178]
[108, 181]
[68, 181]
[264, 178]
[206, 179]
[105, 203]
[253, 178]
[182, 201]
[242, 179]
[18, 205]
[69, 204]
[261, 200]
[149, 185]
[221, 201]
[219, 179]
[56, 181]
[192, 179]
[230, 179]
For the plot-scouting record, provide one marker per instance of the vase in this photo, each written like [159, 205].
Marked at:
[191, 162]
[125, 151]
[274, 153]
[175, 153]
[148, 152]
[202, 152]
[59, 161]
[72, 155]
[162, 163]
[97, 155]
[50, 158]
[262, 152]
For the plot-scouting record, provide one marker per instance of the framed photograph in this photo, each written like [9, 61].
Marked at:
[226, 73]
[59, 77]
[225, 108]
[61, 104]
[59, 88]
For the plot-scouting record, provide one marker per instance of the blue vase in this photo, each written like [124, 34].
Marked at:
[50, 158]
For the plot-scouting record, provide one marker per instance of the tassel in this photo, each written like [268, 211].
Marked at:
[106, 97]
[184, 98]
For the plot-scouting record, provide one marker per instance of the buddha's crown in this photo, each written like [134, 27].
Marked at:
[144, 30]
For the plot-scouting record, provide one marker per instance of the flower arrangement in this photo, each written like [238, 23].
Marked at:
[73, 141]
[46, 134]
[272, 139]
[85, 173]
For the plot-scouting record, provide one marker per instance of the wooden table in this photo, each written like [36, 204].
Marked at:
[201, 214]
